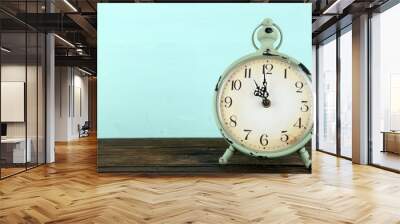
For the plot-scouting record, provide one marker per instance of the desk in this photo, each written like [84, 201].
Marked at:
[18, 150]
[391, 141]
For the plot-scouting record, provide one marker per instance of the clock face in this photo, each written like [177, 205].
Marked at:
[265, 104]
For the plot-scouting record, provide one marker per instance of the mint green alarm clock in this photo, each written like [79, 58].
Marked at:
[264, 101]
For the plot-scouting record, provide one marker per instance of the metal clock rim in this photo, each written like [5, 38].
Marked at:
[279, 153]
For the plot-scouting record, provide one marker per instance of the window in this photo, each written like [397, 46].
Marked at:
[327, 96]
[385, 89]
[346, 94]
[22, 77]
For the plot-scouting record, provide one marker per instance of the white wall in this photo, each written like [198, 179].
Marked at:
[80, 110]
[71, 102]
[16, 72]
[62, 82]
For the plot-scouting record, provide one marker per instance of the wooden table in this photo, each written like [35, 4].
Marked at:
[391, 141]
[14, 150]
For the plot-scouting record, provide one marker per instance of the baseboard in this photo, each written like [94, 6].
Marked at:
[185, 155]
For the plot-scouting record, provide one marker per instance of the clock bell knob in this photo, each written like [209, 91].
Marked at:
[267, 34]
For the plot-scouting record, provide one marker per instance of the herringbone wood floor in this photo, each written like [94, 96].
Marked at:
[70, 191]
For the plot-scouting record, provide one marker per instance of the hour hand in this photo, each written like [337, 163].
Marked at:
[263, 93]
[256, 84]
[258, 91]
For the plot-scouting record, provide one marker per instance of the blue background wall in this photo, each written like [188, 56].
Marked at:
[158, 64]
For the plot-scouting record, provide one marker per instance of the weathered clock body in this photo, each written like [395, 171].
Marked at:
[264, 101]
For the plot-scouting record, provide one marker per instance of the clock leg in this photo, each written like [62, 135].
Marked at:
[228, 154]
[305, 157]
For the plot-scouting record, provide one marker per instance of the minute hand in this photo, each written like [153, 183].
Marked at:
[264, 88]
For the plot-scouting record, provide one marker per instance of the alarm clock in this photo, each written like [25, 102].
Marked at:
[264, 101]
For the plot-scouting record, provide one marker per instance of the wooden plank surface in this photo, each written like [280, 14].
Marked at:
[185, 155]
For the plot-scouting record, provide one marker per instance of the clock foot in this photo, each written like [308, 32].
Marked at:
[305, 157]
[228, 154]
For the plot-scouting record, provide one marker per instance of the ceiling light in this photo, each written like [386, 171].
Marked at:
[337, 7]
[333, 6]
[70, 5]
[65, 41]
[84, 71]
[5, 50]
[79, 51]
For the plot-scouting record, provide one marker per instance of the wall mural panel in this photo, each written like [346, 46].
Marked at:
[156, 80]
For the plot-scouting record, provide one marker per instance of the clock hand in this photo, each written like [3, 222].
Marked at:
[265, 80]
[258, 87]
[266, 102]
[264, 88]
[263, 93]
[258, 91]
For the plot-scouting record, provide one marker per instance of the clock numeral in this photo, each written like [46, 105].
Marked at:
[285, 74]
[233, 121]
[304, 107]
[228, 101]
[299, 85]
[247, 133]
[247, 73]
[267, 69]
[298, 124]
[236, 84]
[284, 137]
[264, 140]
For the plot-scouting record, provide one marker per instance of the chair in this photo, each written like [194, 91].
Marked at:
[84, 129]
